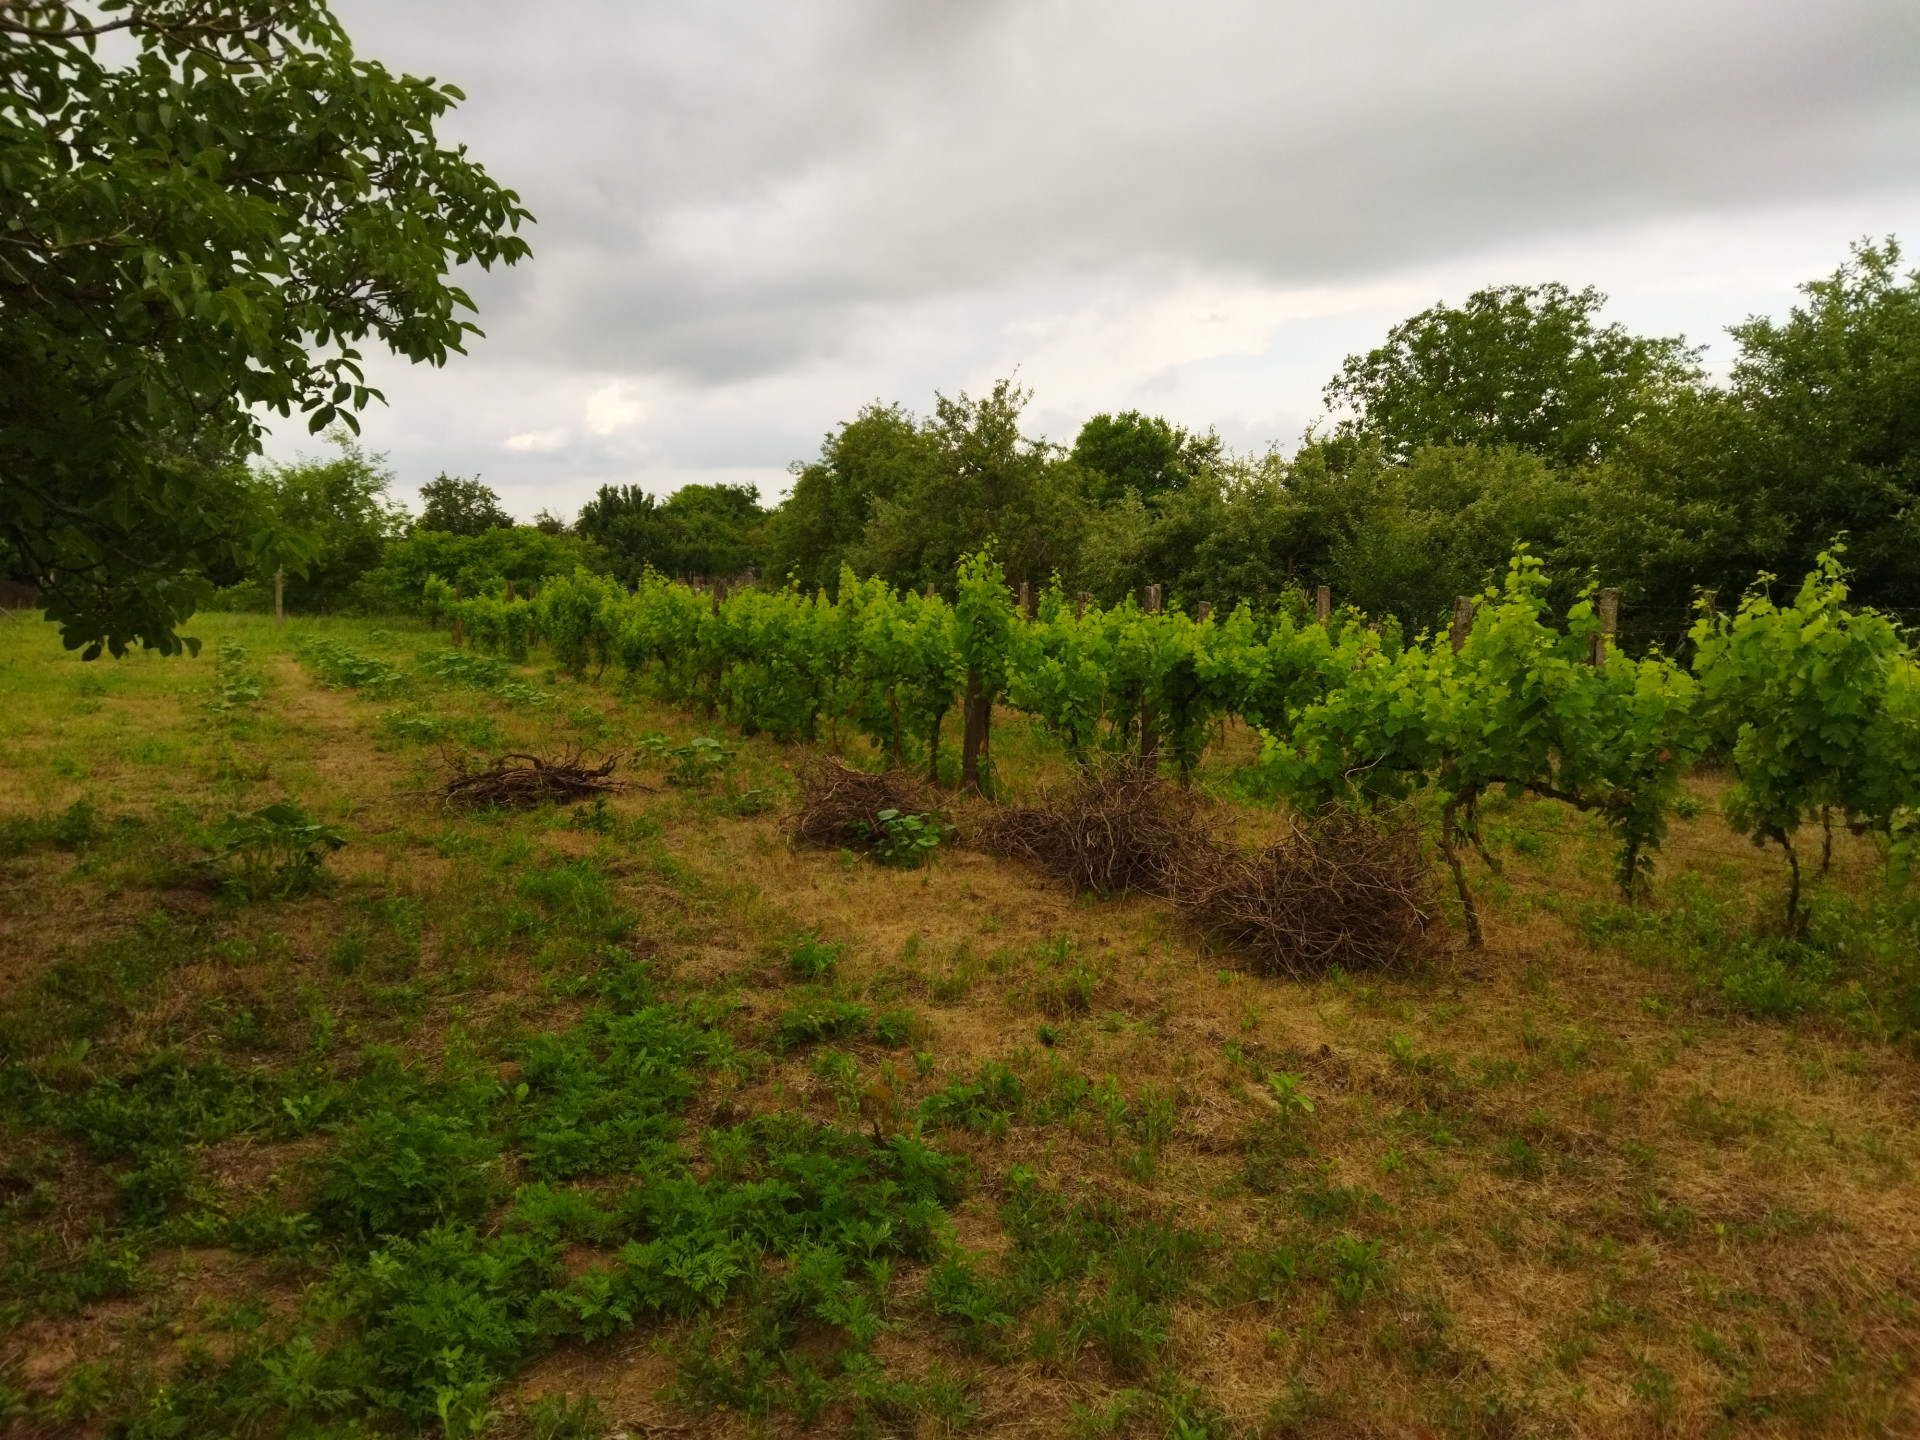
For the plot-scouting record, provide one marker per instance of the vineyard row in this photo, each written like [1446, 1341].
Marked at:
[1816, 706]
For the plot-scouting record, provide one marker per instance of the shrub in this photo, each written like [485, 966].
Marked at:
[275, 852]
[898, 838]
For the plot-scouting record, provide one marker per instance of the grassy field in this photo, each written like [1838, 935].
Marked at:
[631, 1118]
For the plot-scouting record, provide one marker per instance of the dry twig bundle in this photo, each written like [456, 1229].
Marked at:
[1117, 827]
[517, 781]
[840, 805]
[1343, 888]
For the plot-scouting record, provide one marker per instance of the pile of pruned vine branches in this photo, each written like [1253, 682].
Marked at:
[518, 781]
[1117, 827]
[842, 806]
[1341, 887]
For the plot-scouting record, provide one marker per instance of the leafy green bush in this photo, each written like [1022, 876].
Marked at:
[698, 763]
[275, 852]
[1818, 707]
[898, 838]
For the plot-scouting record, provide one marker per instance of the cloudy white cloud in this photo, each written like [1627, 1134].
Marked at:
[755, 217]
[613, 408]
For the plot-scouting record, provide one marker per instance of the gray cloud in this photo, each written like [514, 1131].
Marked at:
[761, 215]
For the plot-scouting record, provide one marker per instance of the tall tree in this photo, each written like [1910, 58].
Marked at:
[341, 503]
[461, 507]
[1816, 435]
[200, 221]
[874, 457]
[984, 481]
[1520, 365]
[1141, 453]
[1830, 400]
[697, 530]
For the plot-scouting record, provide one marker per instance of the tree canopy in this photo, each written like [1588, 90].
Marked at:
[201, 221]
[461, 507]
[1816, 436]
[983, 480]
[698, 530]
[879, 454]
[1141, 453]
[341, 505]
[1520, 365]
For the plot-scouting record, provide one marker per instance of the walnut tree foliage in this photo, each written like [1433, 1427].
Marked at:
[206, 208]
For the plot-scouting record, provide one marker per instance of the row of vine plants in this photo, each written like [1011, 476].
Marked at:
[1815, 706]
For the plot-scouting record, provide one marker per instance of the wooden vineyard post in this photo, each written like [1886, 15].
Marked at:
[929, 590]
[719, 594]
[1609, 626]
[1201, 612]
[1462, 621]
[973, 739]
[1149, 726]
[280, 596]
[1026, 600]
[1323, 604]
[1080, 606]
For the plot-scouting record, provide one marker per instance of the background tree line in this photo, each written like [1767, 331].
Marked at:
[1518, 416]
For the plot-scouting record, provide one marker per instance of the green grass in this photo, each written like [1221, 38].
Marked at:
[484, 1099]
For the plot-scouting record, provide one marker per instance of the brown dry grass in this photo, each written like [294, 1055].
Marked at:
[1719, 1231]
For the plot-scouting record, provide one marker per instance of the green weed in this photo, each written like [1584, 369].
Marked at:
[902, 839]
[812, 959]
[75, 828]
[818, 1018]
[274, 853]
[344, 668]
[987, 1102]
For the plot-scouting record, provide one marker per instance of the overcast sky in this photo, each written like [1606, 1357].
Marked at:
[755, 218]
